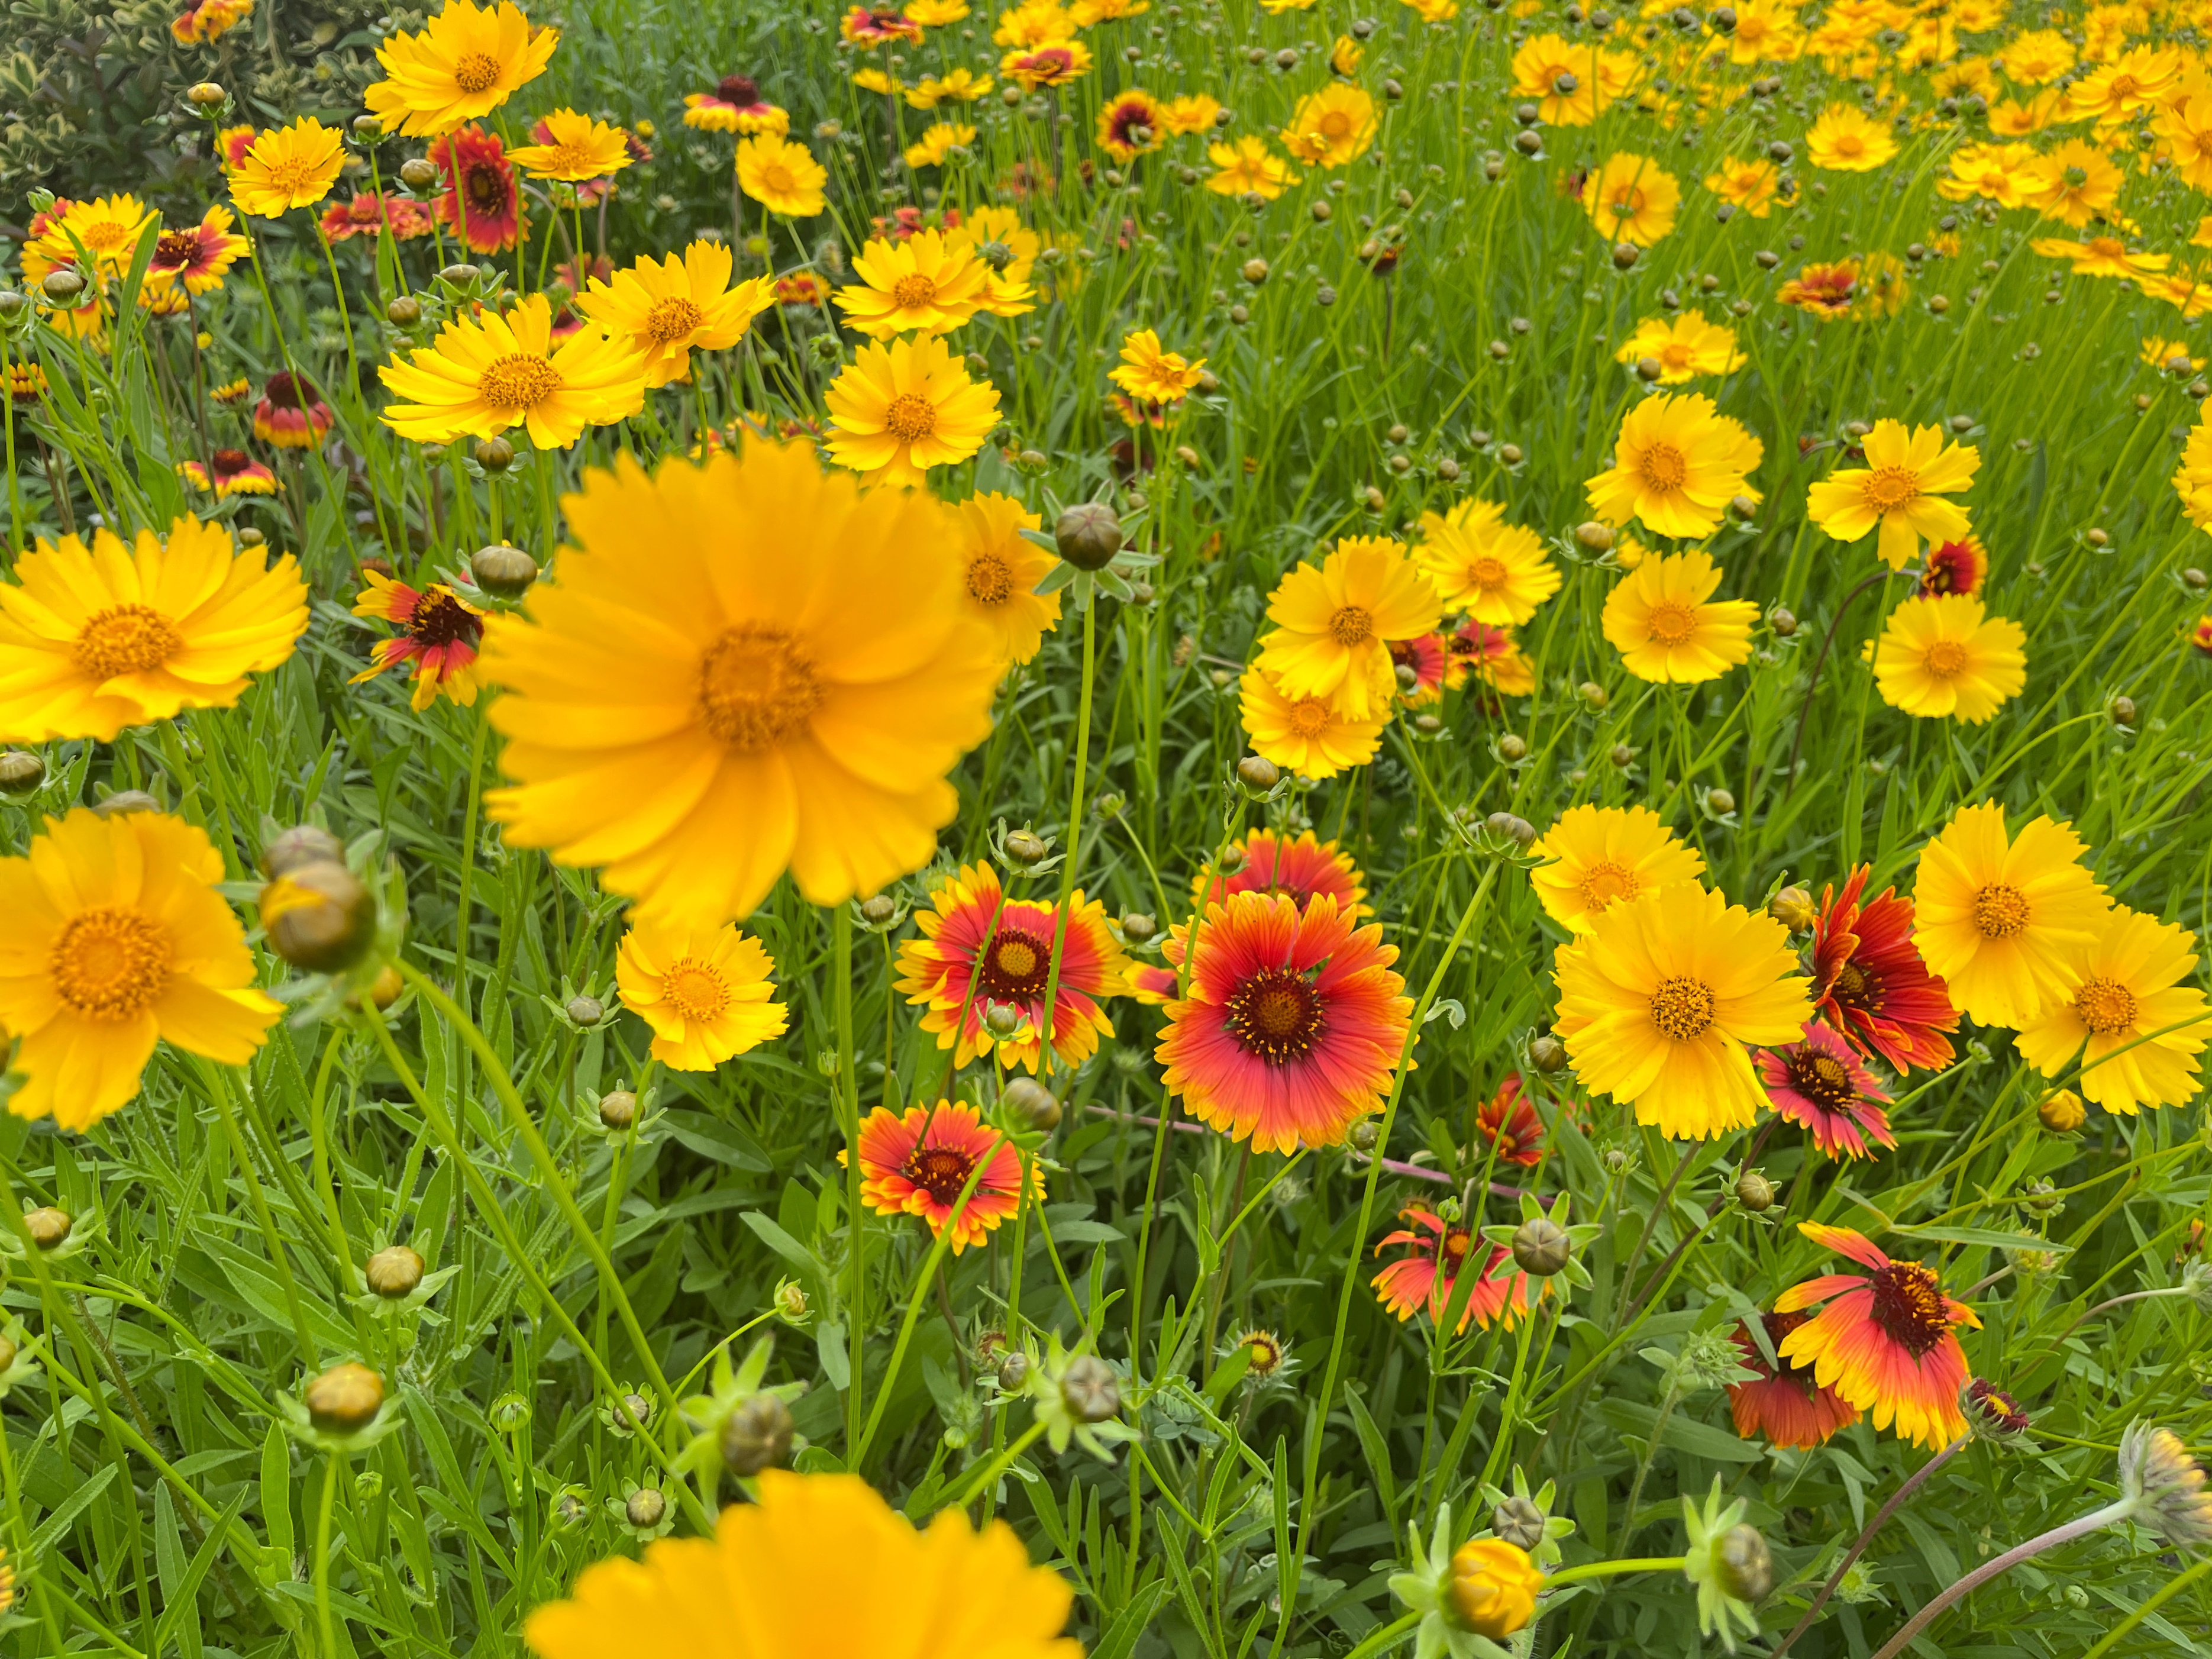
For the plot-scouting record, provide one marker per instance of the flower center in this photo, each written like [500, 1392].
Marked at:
[520, 380]
[110, 963]
[2106, 1006]
[1309, 717]
[756, 687]
[1351, 625]
[292, 175]
[1820, 1078]
[440, 619]
[695, 989]
[1487, 573]
[103, 236]
[1671, 622]
[487, 193]
[1017, 964]
[476, 71]
[1627, 204]
[1850, 143]
[777, 178]
[127, 638]
[672, 319]
[1908, 1305]
[175, 249]
[1606, 884]
[1662, 466]
[912, 290]
[990, 579]
[1944, 659]
[1276, 1015]
[1455, 1244]
[910, 418]
[2000, 909]
[1336, 125]
[940, 1171]
[1855, 985]
[1888, 488]
[1682, 1008]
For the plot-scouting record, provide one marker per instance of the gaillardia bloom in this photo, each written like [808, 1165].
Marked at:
[1293, 1024]
[1492, 571]
[1885, 1343]
[764, 1584]
[919, 1162]
[463, 65]
[1901, 489]
[1819, 1084]
[740, 667]
[1310, 736]
[1869, 984]
[734, 105]
[291, 414]
[1942, 656]
[1425, 1279]
[1334, 621]
[440, 633]
[1130, 124]
[235, 473]
[1302, 869]
[2141, 1021]
[1785, 1405]
[2002, 922]
[980, 951]
[1677, 464]
[294, 167]
[1003, 571]
[667, 309]
[1667, 626]
[921, 285]
[704, 990]
[783, 177]
[113, 937]
[92, 641]
[483, 200]
[1508, 1123]
[198, 255]
[901, 409]
[1596, 857]
[1661, 999]
[485, 374]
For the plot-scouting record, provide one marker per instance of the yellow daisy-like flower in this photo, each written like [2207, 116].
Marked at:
[2130, 995]
[942, 138]
[926, 285]
[2075, 181]
[704, 990]
[1186, 115]
[1597, 857]
[1334, 622]
[294, 167]
[1049, 63]
[1940, 656]
[464, 64]
[1684, 347]
[2038, 56]
[1151, 375]
[781, 175]
[667, 309]
[1331, 128]
[110, 229]
[1846, 139]
[1307, 736]
[2003, 922]
[1632, 198]
[1668, 628]
[1661, 999]
[577, 147]
[904, 408]
[124, 634]
[956, 85]
[1494, 572]
[1006, 291]
[1901, 488]
[1247, 167]
[1003, 570]
[1677, 464]
[113, 938]
[765, 1588]
[1751, 187]
[738, 668]
[485, 375]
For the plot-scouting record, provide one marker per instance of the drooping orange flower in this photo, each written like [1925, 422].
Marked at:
[1785, 1405]
[1425, 1278]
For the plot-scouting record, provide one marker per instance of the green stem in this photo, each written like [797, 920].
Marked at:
[1389, 1637]
[1607, 1569]
[323, 1555]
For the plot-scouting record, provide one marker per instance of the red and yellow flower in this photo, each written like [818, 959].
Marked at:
[1869, 982]
[291, 414]
[482, 200]
[236, 473]
[918, 1163]
[1424, 1280]
[440, 634]
[1821, 1085]
[1786, 1407]
[1507, 1121]
[199, 255]
[1264, 862]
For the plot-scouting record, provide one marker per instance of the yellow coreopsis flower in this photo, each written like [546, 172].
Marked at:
[1684, 347]
[109, 228]
[1940, 656]
[481, 376]
[1633, 199]
[704, 991]
[2140, 1023]
[1051, 63]
[1597, 857]
[1564, 78]
[1247, 167]
[955, 86]
[1003, 570]
[294, 167]
[2075, 181]
[1334, 622]
[1901, 488]
[2036, 58]
[463, 65]
[1677, 464]
[1752, 187]
[1194, 114]
[1663, 620]
[904, 408]
[1152, 376]
[1307, 736]
[1495, 572]
[1846, 139]
[577, 147]
[2002, 921]
[998, 233]
[1331, 128]
[781, 175]
[666, 309]
[926, 284]
[940, 141]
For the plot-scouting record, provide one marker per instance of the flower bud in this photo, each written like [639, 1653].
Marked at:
[405, 312]
[878, 911]
[48, 1226]
[1541, 1248]
[1512, 748]
[1547, 1054]
[393, 1273]
[1519, 831]
[1257, 773]
[387, 987]
[1720, 802]
[644, 1508]
[318, 917]
[504, 573]
[1032, 1105]
[756, 1436]
[1025, 848]
[2061, 1112]
[460, 274]
[1754, 1192]
[1994, 1415]
[1744, 1566]
[368, 127]
[1794, 908]
[2123, 711]
[1090, 1390]
[206, 94]
[1364, 1135]
[1783, 621]
[344, 1399]
[1256, 271]
[417, 173]
[1624, 256]
[791, 1304]
[21, 772]
[495, 454]
[301, 845]
[1492, 1587]
[1003, 1020]
[1013, 1372]
[1138, 928]
[1594, 536]
[7, 1353]
[1649, 368]
[61, 285]
[1519, 1523]
[587, 1011]
[1088, 535]
[1594, 695]
[1742, 508]
[618, 1110]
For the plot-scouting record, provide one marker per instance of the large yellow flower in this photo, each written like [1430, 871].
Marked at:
[782, 176]
[1308, 736]
[821, 1566]
[2074, 181]
[1901, 488]
[1677, 464]
[576, 148]
[1633, 199]
[738, 668]
[92, 642]
[294, 167]
[2130, 996]
[923, 285]
[1684, 347]
[1660, 1000]
[1597, 857]
[462, 66]
[1493, 571]
[667, 309]
[1663, 620]
[2003, 922]
[109, 229]
[1939, 656]
[1846, 139]
[483, 376]
[113, 937]
[1002, 572]
[1331, 128]
[704, 989]
[901, 409]
[1334, 622]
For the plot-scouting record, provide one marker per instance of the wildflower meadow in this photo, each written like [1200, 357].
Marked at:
[1157, 828]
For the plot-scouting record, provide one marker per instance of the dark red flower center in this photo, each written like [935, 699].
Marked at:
[739, 89]
[440, 619]
[289, 391]
[1908, 1305]
[1016, 964]
[488, 191]
[1821, 1077]
[175, 249]
[1277, 1015]
[1126, 121]
[1855, 987]
[940, 1171]
[229, 463]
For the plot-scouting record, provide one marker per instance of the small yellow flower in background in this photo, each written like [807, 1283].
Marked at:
[666, 309]
[1279, 7]
[577, 147]
[2011, 118]
[2130, 988]
[1677, 464]
[114, 937]
[1331, 128]
[1601, 856]
[1334, 622]
[1495, 572]
[1663, 620]
[958, 86]
[1909, 471]
[1344, 57]
[937, 14]
[1246, 166]
[2002, 922]
[1003, 570]
[2036, 58]
[463, 65]
[484, 375]
[125, 633]
[1942, 657]
[1751, 187]
[1846, 139]
[1572, 82]
[1432, 12]
[1632, 198]
[1087, 14]
[2074, 182]
[941, 138]
[1309, 737]
[294, 167]
[1195, 114]
[904, 408]
[987, 231]
[1154, 376]
[1034, 23]
[1053, 63]
[781, 175]
[926, 284]
[2102, 255]
[1685, 348]
[1130, 124]
[703, 990]
[2172, 355]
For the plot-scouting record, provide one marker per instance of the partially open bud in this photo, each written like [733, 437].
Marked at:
[460, 274]
[1089, 535]
[368, 127]
[618, 1110]
[1032, 1105]
[644, 1508]
[393, 1273]
[344, 1399]
[1258, 774]
[504, 573]
[756, 1436]
[206, 94]
[1754, 1192]
[1547, 1054]
[1513, 748]
[2123, 711]
[48, 1226]
[495, 454]
[791, 1304]
[302, 844]
[1745, 1567]
[1025, 848]
[319, 917]
[1492, 1587]
[586, 1010]
[22, 772]
[2061, 1112]
[1090, 1390]
[1541, 1248]
[1594, 536]
[1992, 1414]
[1783, 621]
[1625, 255]
[1794, 908]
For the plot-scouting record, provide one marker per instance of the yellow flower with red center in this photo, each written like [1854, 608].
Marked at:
[736, 105]
[1846, 139]
[294, 167]
[1246, 166]
[1663, 620]
[466, 63]
[1900, 490]
[1495, 572]
[236, 473]
[1048, 63]
[1684, 347]
[704, 990]
[2133, 1019]
[781, 175]
[1307, 735]
[667, 309]
[1597, 857]
[901, 409]
[440, 634]
[1331, 128]
[1153, 374]
[1130, 124]
[919, 1162]
[1677, 464]
[487, 373]
[1334, 622]
[574, 147]
[1942, 657]
[1632, 198]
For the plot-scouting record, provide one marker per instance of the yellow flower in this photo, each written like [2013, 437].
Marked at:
[1601, 856]
[1752, 187]
[1154, 376]
[2010, 118]
[926, 284]
[114, 937]
[1901, 488]
[2074, 182]
[1632, 198]
[578, 149]
[1247, 167]
[1677, 464]
[2192, 479]
[1492, 1587]
[2172, 355]
[2102, 255]
[2036, 58]
[1006, 291]
[782, 176]
[956, 85]
[902, 409]
[1684, 347]
[1766, 31]
[504, 369]
[294, 167]
[874, 80]
[1344, 57]
[665, 310]
[737, 668]
[2139, 79]
[2002, 922]
[1494, 572]
[765, 1588]
[110, 229]
[1572, 82]
[936, 14]
[1331, 128]
[1193, 114]
[1129, 125]
[1034, 23]
[124, 635]
[1662, 620]
[1846, 139]
[1334, 622]
[1661, 999]
[1307, 736]
[703, 990]
[1003, 570]
[464, 64]
[1939, 656]
[938, 142]
[2130, 995]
